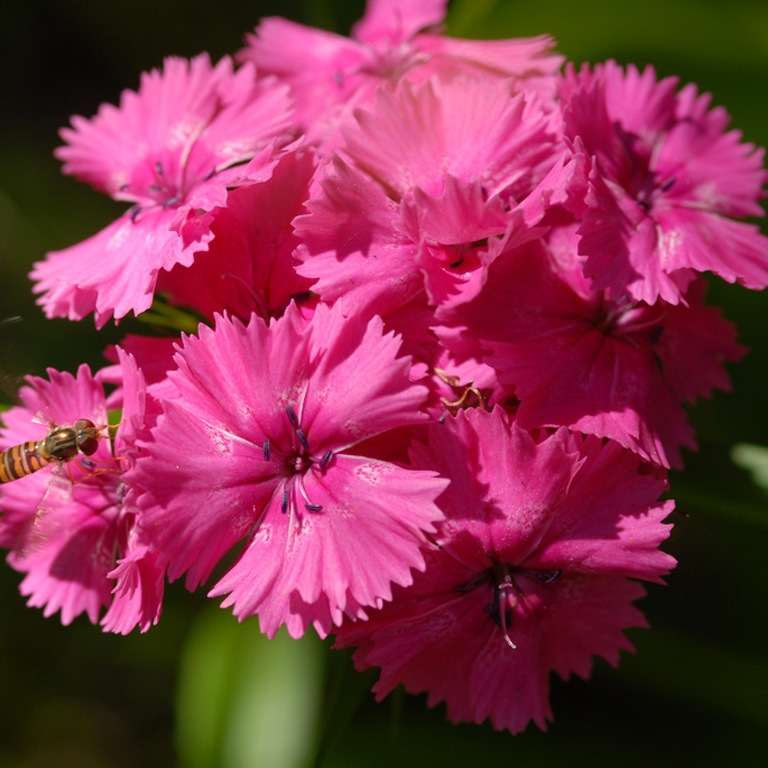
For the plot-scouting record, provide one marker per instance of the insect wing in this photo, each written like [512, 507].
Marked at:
[41, 521]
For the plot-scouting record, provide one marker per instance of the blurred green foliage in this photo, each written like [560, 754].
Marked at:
[696, 692]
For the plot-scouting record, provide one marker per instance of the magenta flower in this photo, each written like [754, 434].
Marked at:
[574, 357]
[172, 149]
[532, 573]
[70, 528]
[667, 179]
[259, 446]
[395, 40]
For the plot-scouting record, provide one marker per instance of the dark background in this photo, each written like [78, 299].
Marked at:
[696, 693]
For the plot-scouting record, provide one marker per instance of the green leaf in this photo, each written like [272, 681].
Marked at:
[244, 700]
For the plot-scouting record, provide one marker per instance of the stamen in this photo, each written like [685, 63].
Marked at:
[298, 461]
[307, 503]
[326, 459]
[171, 201]
[302, 439]
[504, 598]
[284, 503]
[267, 448]
[471, 585]
[668, 185]
[133, 214]
[549, 577]
[505, 625]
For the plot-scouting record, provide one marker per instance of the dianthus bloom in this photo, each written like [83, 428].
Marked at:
[259, 445]
[424, 192]
[533, 570]
[575, 357]
[666, 182]
[172, 149]
[71, 528]
[249, 265]
[396, 40]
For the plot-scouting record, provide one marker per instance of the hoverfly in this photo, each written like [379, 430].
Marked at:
[62, 444]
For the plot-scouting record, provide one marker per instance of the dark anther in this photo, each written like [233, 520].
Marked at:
[302, 439]
[267, 450]
[549, 577]
[326, 459]
[284, 502]
[668, 184]
[474, 584]
[292, 416]
[314, 507]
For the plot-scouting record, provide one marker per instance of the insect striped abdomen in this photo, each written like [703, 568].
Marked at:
[21, 460]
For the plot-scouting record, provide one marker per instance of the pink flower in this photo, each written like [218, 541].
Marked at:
[69, 527]
[249, 265]
[424, 193]
[172, 149]
[575, 357]
[531, 573]
[667, 179]
[396, 40]
[260, 446]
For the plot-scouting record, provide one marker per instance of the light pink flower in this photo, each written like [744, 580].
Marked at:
[396, 40]
[531, 573]
[70, 528]
[172, 149]
[259, 446]
[667, 179]
[424, 193]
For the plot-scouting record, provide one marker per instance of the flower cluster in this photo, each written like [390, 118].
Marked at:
[451, 313]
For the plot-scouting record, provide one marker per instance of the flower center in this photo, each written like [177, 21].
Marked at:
[624, 320]
[512, 588]
[391, 62]
[294, 464]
